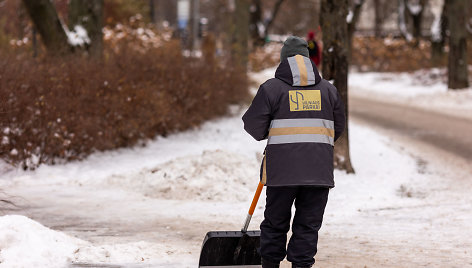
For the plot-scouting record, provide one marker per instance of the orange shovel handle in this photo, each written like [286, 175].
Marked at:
[256, 198]
[253, 206]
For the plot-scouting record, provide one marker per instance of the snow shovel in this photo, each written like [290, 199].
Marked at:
[233, 248]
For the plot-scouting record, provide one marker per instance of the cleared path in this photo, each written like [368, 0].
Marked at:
[446, 132]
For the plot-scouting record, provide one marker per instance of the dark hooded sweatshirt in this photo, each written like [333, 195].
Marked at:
[301, 115]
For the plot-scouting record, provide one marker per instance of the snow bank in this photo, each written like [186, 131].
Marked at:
[26, 243]
[213, 175]
[399, 84]
[426, 89]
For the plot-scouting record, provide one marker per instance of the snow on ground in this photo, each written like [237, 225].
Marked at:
[27, 243]
[426, 89]
[152, 205]
[203, 177]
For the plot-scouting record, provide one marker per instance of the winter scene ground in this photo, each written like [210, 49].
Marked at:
[407, 205]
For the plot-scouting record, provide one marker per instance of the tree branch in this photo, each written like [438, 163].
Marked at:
[274, 15]
[353, 16]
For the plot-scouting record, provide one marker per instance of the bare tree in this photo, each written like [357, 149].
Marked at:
[194, 23]
[47, 22]
[410, 12]
[335, 66]
[259, 27]
[239, 46]
[89, 15]
[438, 36]
[415, 11]
[165, 10]
[152, 11]
[352, 19]
[256, 24]
[402, 23]
[457, 63]
[378, 18]
[273, 16]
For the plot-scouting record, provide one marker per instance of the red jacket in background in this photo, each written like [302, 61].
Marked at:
[313, 48]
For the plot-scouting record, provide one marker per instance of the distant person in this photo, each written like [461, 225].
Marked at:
[301, 115]
[313, 48]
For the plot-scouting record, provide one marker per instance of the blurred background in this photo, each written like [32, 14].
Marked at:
[120, 126]
[101, 63]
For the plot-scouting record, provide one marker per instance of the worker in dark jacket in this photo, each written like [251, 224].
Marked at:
[301, 115]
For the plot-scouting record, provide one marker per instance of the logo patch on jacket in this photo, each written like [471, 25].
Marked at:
[305, 100]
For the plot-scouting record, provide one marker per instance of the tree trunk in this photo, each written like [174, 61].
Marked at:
[88, 14]
[416, 13]
[274, 14]
[256, 20]
[438, 39]
[45, 19]
[258, 38]
[194, 24]
[457, 65]
[239, 46]
[152, 12]
[335, 67]
[402, 23]
[21, 20]
[166, 11]
[353, 18]
[378, 18]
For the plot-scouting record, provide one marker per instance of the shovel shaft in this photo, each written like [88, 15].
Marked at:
[253, 206]
[256, 198]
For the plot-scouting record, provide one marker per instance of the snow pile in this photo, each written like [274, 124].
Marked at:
[213, 175]
[26, 243]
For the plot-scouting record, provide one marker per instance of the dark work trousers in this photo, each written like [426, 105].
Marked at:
[310, 203]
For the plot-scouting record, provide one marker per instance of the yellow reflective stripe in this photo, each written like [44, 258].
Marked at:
[301, 130]
[302, 69]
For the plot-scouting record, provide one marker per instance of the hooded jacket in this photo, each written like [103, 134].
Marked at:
[301, 115]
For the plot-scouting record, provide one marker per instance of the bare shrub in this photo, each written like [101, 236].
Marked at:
[265, 57]
[56, 109]
[390, 54]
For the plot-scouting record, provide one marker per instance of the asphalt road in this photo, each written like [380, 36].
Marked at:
[449, 133]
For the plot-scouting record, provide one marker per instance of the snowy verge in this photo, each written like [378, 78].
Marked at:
[425, 89]
[26, 243]
[211, 176]
[398, 204]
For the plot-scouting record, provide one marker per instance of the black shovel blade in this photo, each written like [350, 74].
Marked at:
[231, 248]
